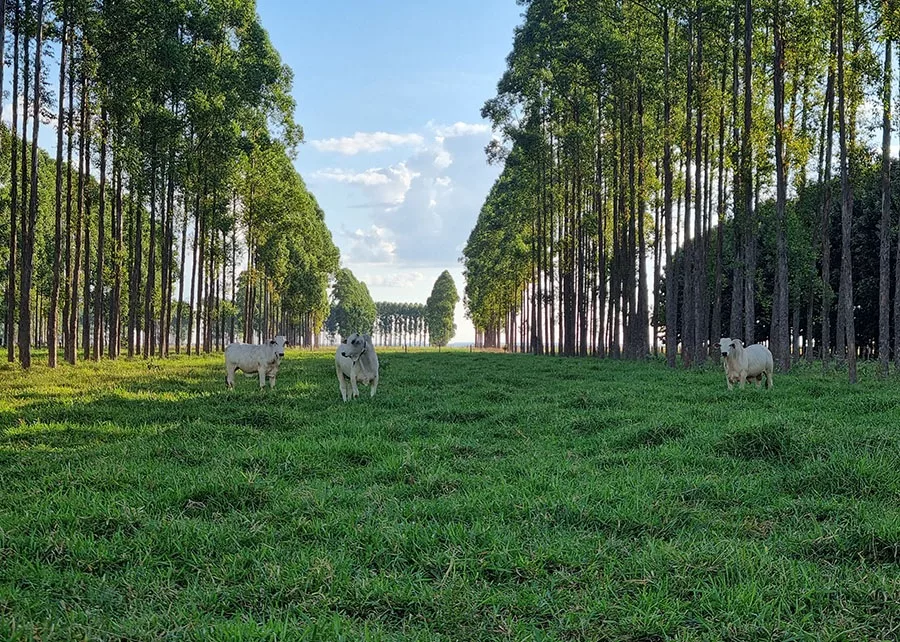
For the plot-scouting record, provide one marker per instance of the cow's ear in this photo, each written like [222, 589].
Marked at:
[344, 340]
[272, 342]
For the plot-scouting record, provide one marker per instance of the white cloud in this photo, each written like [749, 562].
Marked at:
[367, 142]
[394, 280]
[371, 246]
[442, 158]
[46, 117]
[385, 186]
[458, 129]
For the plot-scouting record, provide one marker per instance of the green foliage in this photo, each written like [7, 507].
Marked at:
[533, 498]
[440, 307]
[352, 308]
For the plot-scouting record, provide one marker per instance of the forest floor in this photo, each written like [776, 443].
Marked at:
[476, 497]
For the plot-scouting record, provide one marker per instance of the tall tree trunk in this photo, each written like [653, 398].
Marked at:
[884, 255]
[137, 268]
[671, 273]
[736, 327]
[101, 240]
[747, 183]
[184, 225]
[781, 301]
[642, 322]
[825, 223]
[115, 307]
[13, 199]
[699, 271]
[845, 292]
[688, 251]
[150, 289]
[28, 233]
[716, 323]
[71, 266]
[81, 223]
[57, 250]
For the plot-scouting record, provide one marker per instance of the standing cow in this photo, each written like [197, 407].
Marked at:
[356, 361]
[751, 362]
[253, 359]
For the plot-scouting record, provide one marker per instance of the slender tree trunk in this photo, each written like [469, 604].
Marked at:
[28, 232]
[884, 255]
[150, 289]
[71, 267]
[194, 262]
[688, 251]
[671, 270]
[81, 224]
[781, 339]
[13, 200]
[101, 240]
[184, 225]
[825, 224]
[716, 323]
[115, 306]
[747, 183]
[845, 292]
[57, 250]
[699, 271]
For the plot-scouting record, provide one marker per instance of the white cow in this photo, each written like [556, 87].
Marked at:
[253, 359]
[751, 362]
[724, 347]
[356, 361]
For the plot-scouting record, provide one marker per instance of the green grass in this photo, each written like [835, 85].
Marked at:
[477, 497]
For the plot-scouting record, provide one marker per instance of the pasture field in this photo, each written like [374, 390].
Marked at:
[477, 497]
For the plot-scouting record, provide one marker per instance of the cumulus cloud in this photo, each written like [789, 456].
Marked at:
[371, 246]
[367, 142]
[458, 129]
[394, 280]
[384, 186]
[423, 208]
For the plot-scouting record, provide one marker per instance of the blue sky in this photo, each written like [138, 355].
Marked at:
[389, 95]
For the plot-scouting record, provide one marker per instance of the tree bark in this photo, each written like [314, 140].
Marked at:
[884, 255]
[781, 301]
[845, 292]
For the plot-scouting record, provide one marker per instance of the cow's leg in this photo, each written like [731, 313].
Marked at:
[229, 377]
[728, 381]
[262, 377]
[341, 382]
[373, 387]
[353, 387]
[272, 380]
[769, 383]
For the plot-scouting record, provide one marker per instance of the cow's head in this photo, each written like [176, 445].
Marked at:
[279, 343]
[735, 345]
[724, 345]
[353, 346]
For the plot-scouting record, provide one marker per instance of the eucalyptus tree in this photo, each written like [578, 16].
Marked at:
[440, 307]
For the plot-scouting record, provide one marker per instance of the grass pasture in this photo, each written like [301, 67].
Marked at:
[477, 497]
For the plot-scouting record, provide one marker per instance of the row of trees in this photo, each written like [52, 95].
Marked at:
[631, 131]
[174, 137]
[400, 324]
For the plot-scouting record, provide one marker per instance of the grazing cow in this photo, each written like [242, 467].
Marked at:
[751, 362]
[253, 359]
[356, 360]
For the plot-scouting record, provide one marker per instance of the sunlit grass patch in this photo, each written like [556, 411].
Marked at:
[476, 497]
